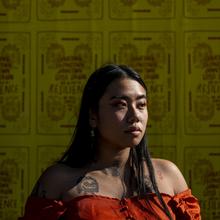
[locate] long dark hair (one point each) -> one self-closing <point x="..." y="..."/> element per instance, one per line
<point x="82" y="150"/>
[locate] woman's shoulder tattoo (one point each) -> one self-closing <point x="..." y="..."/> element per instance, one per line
<point x="87" y="184"/>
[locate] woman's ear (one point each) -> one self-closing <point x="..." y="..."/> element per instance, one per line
<point x="92" y="119"/>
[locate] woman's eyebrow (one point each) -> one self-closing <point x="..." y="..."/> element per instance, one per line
<point x="127" y="97"/>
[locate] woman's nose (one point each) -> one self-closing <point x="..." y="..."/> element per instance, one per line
<point x="132" y="115"/>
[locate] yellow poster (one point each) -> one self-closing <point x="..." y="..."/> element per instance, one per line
<point x="141" y="9"/>
<point x="15" y="10"/>
<point x="69" y="9"/>
<point x="202" y="8"/>
<point x="203" y="172"/>
<point x="165" y="152"/>
<point x="202" y="82"/>
<point x="13" y="181"/>
<point x="65" y="61"/>
<point x="152" y="55"/>
<point x="14" y="83"/>
<point x="47" y="156"/>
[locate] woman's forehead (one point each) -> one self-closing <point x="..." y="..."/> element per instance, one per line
<point x="125" y="87"/>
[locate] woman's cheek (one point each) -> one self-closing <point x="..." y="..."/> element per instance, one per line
<point x="120" y="116"/>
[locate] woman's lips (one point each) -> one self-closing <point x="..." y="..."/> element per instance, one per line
<point x="133" y="130"/>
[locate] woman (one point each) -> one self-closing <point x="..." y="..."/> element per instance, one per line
<point x="107" y="172"/>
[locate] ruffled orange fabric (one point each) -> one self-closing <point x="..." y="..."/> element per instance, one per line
<point x="183" y="206"/>
<point x="43" y="209"/>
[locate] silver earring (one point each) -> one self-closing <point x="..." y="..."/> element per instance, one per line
<point x="92" y="140"/>
<point x="92" y="133"/>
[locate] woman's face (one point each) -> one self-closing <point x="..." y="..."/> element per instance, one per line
<point x="122" y="117"/>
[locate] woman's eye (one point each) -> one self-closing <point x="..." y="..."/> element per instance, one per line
<point x="119" y="104"/>
<point x="142" y="105"/>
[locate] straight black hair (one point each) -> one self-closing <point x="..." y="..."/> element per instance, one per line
<point x="82" y="150"/>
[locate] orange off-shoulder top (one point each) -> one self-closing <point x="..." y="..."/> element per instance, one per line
<point x="183" y="206"/>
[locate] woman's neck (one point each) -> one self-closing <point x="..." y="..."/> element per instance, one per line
<point x="110" y="157"/>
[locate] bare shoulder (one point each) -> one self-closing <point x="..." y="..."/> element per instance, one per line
<point x="55" y="180"/>
<point x="172" y="174"/>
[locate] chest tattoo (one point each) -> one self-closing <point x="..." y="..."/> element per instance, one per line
<point x="159" y="173"/>
<point x="88" y="184"/>
<point x="148" y="184"/>
<point x="114" y="171"/>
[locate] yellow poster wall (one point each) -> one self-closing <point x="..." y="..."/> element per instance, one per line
<point x="48" y="48"/>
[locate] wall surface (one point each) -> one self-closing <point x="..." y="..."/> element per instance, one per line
<point x="48" y="48"/>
